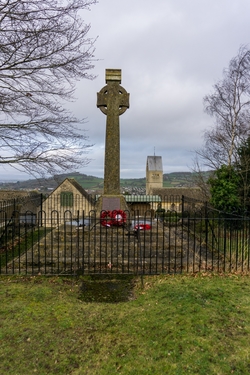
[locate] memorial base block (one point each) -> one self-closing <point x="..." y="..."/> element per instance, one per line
<point x="111" y="203"/>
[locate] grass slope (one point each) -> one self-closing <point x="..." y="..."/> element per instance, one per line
<point x="174" y="325"/>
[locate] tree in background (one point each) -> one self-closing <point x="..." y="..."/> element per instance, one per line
<point x="229" y="104"/>
<point x="226" y="144"/>
<point x="225" y="189"/>
<point x="44" y="50"/>
<point x="243" y="170"/>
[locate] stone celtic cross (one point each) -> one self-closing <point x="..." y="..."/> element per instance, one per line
<point x="113" y="101"/>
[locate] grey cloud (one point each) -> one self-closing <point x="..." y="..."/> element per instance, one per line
<point x="171" y="53"/>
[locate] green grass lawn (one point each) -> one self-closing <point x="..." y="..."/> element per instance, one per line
<point x="196" y="324"/>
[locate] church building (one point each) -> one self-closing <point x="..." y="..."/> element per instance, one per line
<point x="154" y="174"/>
<point x="170" y="198"/>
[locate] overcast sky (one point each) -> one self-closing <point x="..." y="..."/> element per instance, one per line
<point x="171" y="52"/>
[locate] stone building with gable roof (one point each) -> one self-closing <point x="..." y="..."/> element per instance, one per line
<point x="65" y="202"/>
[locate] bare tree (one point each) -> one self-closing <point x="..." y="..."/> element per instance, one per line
<point x="229" y="104"/>
<point x="44" y="50"/>
<point x="200" y="179"/>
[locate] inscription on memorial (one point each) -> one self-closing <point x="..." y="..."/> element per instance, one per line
<point x="110" y="204"/>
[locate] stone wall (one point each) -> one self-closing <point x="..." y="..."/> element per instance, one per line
<point x="12" y="194"/>
<point x="172" y="197"/>
<point x="19" y="201"/>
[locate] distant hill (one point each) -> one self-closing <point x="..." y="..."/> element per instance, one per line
<point x="47" y="184"/>
<point x="92" y="183"/>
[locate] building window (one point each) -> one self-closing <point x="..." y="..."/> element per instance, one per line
<point x="66" y="199"/>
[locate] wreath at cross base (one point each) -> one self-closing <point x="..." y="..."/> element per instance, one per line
<point x="113" y="218"/>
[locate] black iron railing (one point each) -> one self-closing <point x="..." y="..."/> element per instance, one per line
<point x="89" y="242"/>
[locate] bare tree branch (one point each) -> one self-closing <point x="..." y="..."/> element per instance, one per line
<point x="229" y="104"/>
<point x="44" y="50"/>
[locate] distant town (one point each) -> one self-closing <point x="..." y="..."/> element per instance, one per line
<point x="94" y="184"/>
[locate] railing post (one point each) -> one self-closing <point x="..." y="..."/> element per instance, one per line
<point x="182" y="206"/>
<point x="41" y="202"/>
<point x="206" y="231"/>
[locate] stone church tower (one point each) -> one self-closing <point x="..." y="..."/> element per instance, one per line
<point x="154" y="173"/>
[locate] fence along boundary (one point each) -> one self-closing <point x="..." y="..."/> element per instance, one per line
<point x="166" y="242"/>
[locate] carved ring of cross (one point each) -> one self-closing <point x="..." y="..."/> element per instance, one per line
<point x="123" y="99"/>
